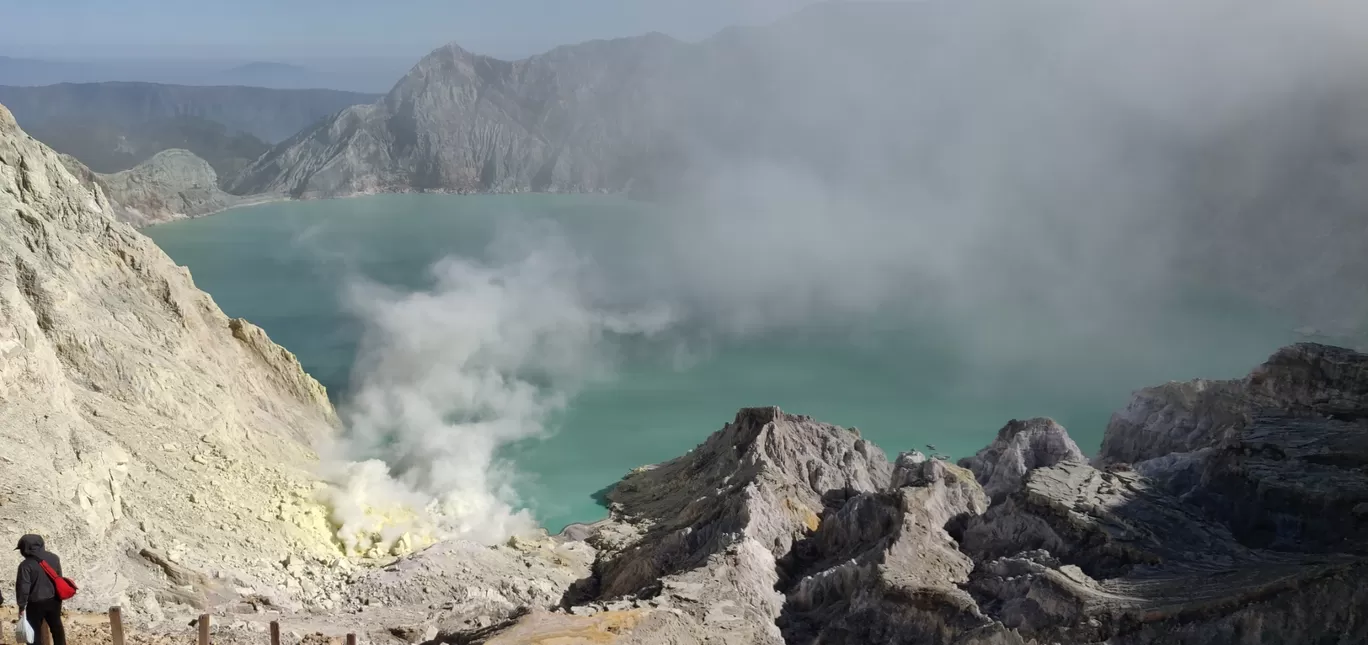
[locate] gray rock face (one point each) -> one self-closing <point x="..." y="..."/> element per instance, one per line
<point x="1279" y="456"/>
<point x="720" y="546"/>
<point x="1172" y="418"/>
<point x="853" y="579"/>
<point x="1080" y="555"/>
<point x="1312" y="378"/>
<point x="704" y="531"/>
<point x="1020" y="447"/>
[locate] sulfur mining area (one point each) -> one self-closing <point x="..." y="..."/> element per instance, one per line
<point x="170" y="453"/>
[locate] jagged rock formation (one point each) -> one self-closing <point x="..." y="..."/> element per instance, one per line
<point x="702" y="533"/>
<point x="1020" y="447"/>
<point x="1282" y="453"/>
<point x="162" y="448"/>
<point x="782" y="529"/>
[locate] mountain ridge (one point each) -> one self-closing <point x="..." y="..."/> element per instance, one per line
<point x="269" y="114"/>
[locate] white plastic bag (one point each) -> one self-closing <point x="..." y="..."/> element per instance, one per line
<point x="23" y="631"/>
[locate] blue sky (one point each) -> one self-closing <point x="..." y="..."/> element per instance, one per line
<point x="294" y="29"/>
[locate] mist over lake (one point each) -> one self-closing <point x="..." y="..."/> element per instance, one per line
<point x="619" y="358"/>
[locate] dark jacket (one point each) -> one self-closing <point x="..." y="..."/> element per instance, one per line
<point x="33" y="584"/>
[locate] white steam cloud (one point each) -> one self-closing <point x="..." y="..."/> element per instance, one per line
<point x="446" y="377"/>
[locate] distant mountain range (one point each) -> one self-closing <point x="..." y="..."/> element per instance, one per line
<point x="107" y="146"/>
<point x="268" y="114"/>
<point x="359" y="75"/>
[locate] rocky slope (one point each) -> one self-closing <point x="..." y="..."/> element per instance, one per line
<point x="162" y="448"/>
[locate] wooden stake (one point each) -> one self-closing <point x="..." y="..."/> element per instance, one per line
<point x="116" y="625"/>
<point x="275" y="633"/>
<point x="204" y="629"/>
<point x="351" y="639"/>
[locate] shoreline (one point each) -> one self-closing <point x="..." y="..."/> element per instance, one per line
<point x="272" y="198"/>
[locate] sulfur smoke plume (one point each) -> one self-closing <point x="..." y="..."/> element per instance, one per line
<point x="1036" y="174"/>
<point x="448" y="376"/>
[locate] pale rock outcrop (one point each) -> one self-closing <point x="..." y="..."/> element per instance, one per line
<point x="474" y="586"/>
<point x="763" y="478"/>
<point x="694" y="541"/>
<point x="1020" y="447"/>
<point x="162" y="448"/>
<point x="853" y="578"/>
<point x="174" y="184"/>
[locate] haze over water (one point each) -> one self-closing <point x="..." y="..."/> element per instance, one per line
<point x="903" y="375"/>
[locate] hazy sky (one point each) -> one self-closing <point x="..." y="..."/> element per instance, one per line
<point x="295" y="29"/>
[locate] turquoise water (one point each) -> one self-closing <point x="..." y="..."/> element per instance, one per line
<point x="903" y="381"/>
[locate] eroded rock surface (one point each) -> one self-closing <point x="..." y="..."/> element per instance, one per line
<point x="1020" y="447"/>
<point x="1285" y="463"/>
<point x="1236" y="524"/>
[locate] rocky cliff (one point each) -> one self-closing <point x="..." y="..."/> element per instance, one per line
<point x="163" y="448"/>
<point x="1240" y="520"/>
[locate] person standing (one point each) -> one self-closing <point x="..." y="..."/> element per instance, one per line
<point x="35" y="591"/>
